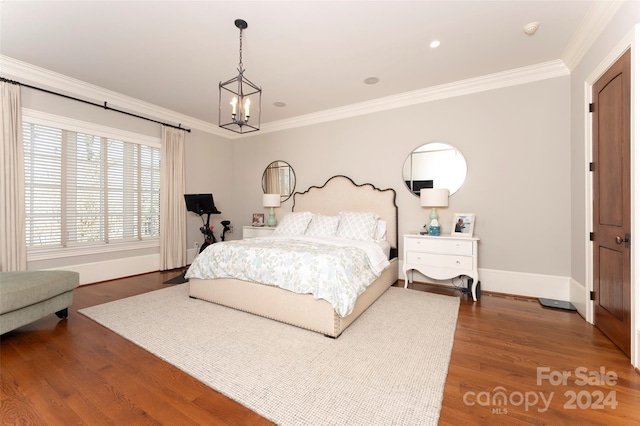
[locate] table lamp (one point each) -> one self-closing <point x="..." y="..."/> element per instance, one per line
<point x="434" y="197"/>
<point x="271" y="200"/>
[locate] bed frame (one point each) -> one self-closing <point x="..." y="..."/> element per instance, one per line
<point x="338" y="194"/>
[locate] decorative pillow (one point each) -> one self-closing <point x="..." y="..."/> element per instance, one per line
<point x="357" y="225"/>
<point x="323" y="226"/>
<point x="293" y="224"/>
<point x="381" y="230"/>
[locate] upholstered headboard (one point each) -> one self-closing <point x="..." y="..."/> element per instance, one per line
<point x="340" y="193"/>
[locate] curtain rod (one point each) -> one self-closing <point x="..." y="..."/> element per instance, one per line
<point x="179" y="126"/>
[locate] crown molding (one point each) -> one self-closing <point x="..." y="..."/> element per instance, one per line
<point x="54" y="81"/>
<point x="589" y="30"/>
<point x="33" y="75"/>
<point x="499" y="80"/>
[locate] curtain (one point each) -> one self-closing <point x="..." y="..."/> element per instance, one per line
<point x="273" y="178"/>
<point x="13" y="245"/>
<point x="173" y="213"/>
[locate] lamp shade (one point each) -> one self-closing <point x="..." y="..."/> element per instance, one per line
<point x="271" y="200"/>
<point x="434" y="197"/>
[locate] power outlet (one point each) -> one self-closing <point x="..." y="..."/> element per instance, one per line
<point x="196" y="246"/>
<point x="230" y="229"/>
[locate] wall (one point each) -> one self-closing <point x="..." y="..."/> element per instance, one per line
<point x="525" y="147"/>
<point x="515" y="141"/>
<point x="618" y="28"/>
<point x="615" y="38"/>
<point x="209" y="165"/>
<point x="208" y="159"/>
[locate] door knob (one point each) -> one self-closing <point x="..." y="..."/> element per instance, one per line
<point x="620" y="240"/>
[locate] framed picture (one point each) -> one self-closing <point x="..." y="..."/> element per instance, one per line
<point x="258" y="219"/>
<point x="463" y="224"/>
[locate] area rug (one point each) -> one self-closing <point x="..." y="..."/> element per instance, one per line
<point x="388" y="367"/>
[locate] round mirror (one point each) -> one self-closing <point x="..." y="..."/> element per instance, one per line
<point x="434" y="165"/>
<point x="279" y="178"/>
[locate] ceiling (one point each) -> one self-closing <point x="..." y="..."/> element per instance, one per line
<point x="311" y="55"/>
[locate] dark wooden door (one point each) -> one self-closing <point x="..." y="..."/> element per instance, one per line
<point x="612" y="203"/>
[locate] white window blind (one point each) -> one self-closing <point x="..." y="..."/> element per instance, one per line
<point x="84" y="189"/>
<point x="43" y="179"/>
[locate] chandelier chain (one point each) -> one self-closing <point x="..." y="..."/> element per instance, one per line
<point x="240" y="63"/>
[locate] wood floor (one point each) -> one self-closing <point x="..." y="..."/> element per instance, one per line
<point x="513" y="362"/>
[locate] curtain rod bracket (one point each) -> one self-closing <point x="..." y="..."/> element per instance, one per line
<point x="6" y="80"/>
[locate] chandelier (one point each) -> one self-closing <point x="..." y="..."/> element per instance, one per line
<point x="239" y="99"/>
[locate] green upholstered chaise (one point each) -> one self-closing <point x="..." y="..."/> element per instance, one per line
<point x="27" y="296"/>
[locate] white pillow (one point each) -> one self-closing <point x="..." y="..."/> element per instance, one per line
<point x="323" y="226"/>
<point x="357" y="225"/>
<point x="294" y="224"/>
<point x="381" y="230"/>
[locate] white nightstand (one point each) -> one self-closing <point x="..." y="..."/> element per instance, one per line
<point x="256" y="231"/>
<point x="441" y="258"/>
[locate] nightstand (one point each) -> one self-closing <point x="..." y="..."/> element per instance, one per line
<point x="256" y="231"/>
<point x="441" y="258"/>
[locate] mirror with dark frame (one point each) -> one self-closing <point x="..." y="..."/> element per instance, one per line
<point x="279" y="178"/>
<point x="434" y="165"/>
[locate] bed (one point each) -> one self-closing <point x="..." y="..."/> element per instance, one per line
<point x="338" y="194"/>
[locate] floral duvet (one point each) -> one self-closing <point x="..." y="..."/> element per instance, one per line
<point x="335" y="270"/>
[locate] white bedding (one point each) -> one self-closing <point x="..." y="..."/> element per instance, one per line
<point x="336" y="270"/>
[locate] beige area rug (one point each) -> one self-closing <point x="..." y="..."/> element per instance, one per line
<point x="388" y="368"/>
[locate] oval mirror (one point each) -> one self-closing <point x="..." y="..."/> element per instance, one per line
<point x="434" y="165"/>
<point x="279" y="178"/>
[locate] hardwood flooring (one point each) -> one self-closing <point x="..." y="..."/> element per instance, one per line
<point x="509" y="358"/>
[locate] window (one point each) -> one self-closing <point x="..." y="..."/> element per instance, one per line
<point x="85" y="188"/>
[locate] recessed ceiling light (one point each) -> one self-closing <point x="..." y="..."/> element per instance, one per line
<point x="371" y="80"/>
<point x="434" y="44"/>
<point x="279" y="104"/>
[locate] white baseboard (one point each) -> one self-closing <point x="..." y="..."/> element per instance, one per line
<point x="117" y="268"/>
<point x="578" y="297"/>
<point x="516" y="283"/>
<point x="525" y="284"/>
<point x="635" y="349"/>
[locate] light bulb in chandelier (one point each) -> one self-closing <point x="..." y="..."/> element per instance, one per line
<point x="234" y="103"/>
<point x="242" y="118"/>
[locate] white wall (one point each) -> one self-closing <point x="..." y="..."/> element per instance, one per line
<point x="515" y="141"/>
<point x="209" y="165"/>
<point x="615" y="38"/>
<point x="524" y="145"/>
